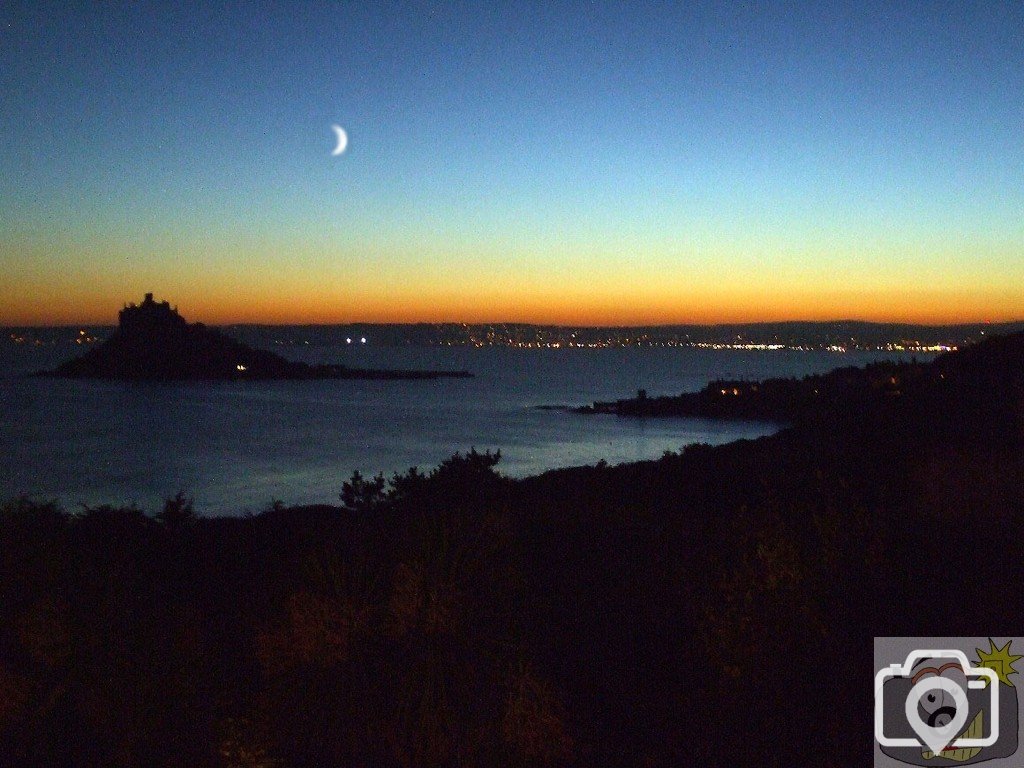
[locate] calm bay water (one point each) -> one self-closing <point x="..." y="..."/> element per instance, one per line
<point x="236" y="446"/>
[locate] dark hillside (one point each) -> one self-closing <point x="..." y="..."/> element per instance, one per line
<point x="712" y="607"/>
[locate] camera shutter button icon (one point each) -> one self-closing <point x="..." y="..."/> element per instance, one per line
<point x="943" y="700"/>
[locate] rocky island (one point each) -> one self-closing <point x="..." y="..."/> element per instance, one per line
<point x="155" y="343"/>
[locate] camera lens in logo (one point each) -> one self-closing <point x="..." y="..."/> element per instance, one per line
<point x="936" y="709"/>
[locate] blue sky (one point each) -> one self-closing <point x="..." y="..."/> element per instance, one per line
<point x="539" y="161"/>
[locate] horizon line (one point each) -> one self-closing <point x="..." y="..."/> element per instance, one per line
<point x="690" y="324"/>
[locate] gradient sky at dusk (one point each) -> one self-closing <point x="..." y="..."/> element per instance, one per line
<point x="549" y="162"/>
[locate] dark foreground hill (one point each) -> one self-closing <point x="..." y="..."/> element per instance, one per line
<point x="153" y="342"/>
<point x="714" y="607"/>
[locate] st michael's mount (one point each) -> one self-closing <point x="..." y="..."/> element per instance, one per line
<point x="154" y="343"/>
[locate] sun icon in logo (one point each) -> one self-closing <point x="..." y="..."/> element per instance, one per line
<point x="999" y="660"/>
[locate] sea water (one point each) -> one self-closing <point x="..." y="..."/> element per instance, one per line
<point x="235" y="447"/>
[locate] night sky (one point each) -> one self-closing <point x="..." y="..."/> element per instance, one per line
<point x="549" y="162"/>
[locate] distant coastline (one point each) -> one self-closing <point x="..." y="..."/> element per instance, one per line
<point x="834" y="336"/>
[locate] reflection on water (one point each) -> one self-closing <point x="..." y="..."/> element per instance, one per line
<point x="238" y="446"/>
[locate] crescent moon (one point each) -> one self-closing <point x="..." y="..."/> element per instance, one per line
<point x="342" y="140"/>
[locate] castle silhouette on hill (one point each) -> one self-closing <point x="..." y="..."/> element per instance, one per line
<point x="149" y="316"/>
<point x="153" y="342"/>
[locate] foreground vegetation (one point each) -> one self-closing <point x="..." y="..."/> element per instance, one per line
<point x="715" y="606"/>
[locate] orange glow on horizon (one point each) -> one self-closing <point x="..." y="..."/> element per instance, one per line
<point x="410" y="306"/>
